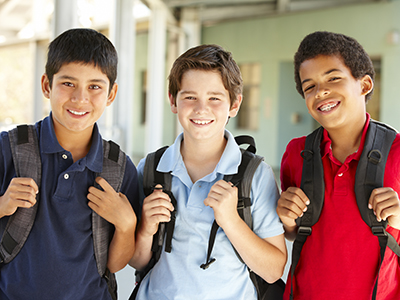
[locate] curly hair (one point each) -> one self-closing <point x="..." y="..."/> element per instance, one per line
<point x="207" y="58"/>
<point x="328" y="43"/>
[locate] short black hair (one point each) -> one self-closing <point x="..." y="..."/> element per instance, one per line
<point x="83" y="45"/>
<point x="344" y="47"/>
<point x="208" y="58"/>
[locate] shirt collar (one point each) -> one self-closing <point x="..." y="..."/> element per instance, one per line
<point x="228" y="164"/>
<point x="49" y="145"/>
<point x="326" y="144"/>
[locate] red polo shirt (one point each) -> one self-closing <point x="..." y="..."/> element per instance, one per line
<point x="340" y="258"/>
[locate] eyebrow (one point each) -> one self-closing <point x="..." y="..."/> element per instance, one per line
<point x="326" y="73"/>
<point x="192" y="92"/>
<point x="67" y="77"/>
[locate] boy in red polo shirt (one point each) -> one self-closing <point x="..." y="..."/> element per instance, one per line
<point x="340" y="259"/>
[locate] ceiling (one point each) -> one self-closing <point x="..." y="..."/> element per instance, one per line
<point x="24" y="19"/>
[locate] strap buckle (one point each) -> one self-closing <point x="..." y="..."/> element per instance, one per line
<point x="378" y="231"/>
<point x="243" y="203"/>
<point x="304" y="230"/>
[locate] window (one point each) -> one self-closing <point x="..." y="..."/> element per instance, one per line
<point x="248" y="116"/>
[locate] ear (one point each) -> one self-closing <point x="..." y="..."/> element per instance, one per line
<point x="367" y="84"/>
<point x="172" y="103"/>
<point x="235" y="106"/>
<point x="112" y="94"/>
<point x="45" y="84"/>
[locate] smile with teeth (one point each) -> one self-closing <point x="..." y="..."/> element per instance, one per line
<point x="328" y="107"/>
<point x="77" y="113"/>
<point x="201" y="122"/>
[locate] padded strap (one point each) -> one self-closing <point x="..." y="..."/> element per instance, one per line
<point x="312" y="183"/>
<point x="114" y="163"/>
<point x="26" y="156"/>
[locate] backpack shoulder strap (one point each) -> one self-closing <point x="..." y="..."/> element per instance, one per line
<point x="26" y="156"/>
<point x="114" y="162"/>
<point x="243" y="180"/>
<point x="313" y="185"/>
<point x="370" y="175"/>
<point x="151" y="178"/>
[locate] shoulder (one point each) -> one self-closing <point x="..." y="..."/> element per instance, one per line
<point x="294" y="148"/>
<point x="392" y="168"/>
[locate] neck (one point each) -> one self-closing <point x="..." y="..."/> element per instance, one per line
<point x="346" y="141"/>
<point x="202" y="157"/>
<point x="78" y="143"/>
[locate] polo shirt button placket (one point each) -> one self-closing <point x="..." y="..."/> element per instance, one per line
<point x="66" y="176"/>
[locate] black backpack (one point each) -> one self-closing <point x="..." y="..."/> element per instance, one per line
<point x="369" y="175"/>
<point x="26" y="156"/>
<point x="243" y="179"/>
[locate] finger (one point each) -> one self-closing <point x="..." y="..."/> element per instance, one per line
<point x="299" y="193"/>
<point x="104" y="184"/>
<point x="380" y="194"/>
<point x="290" y="209"/>
<point x="294" y="200"/>
<point x="25" y="182"/>
<point x="384" y="208"/>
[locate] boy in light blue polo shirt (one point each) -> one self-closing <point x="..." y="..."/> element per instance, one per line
<point x="205" y="90"/>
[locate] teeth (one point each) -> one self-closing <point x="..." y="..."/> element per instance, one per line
<point x="328" y="107"/>
<point x="200" y="122"/>
<point x="77" y="112"/>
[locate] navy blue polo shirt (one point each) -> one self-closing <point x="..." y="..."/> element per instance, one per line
<point x="57" y="260"/>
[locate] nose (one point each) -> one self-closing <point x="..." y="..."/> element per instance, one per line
<point x="322" y="91"/>
<point x="201" y="106"/>
<point x="80" y="95"/>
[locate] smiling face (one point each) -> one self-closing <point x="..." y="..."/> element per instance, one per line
<point x="203" y="105"/>
<point x="334" y="98"/>
<point x="78" y="96"/>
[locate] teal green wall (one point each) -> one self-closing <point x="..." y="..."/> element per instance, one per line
<point x="273" y="41"/>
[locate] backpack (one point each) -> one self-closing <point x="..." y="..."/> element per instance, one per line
<point x="243" y="179"/>
<point x="369" y="175"/>
<point x="26" y="156"/>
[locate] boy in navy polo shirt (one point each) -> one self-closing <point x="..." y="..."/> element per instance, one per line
<point x="340" y="259"/>
<point x="205" y="90"/>
<point x="57" y="260"/>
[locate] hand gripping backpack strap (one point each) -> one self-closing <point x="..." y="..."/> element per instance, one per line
<point x="312" y="183"/>
<point x="370" y="175"/>
<point x="114" y="162"/>
<point x="244" y="201"/>
<point x="151" y="178"/>
<point x="242" y="180"/>
<point x="26" y="156"/>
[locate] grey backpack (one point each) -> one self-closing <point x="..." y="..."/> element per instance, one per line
<point x="27" y="163"/>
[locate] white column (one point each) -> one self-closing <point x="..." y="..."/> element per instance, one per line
<point x="65" y="16"/>
<point x="123" y="35"/>
<point x="156" y="77"/>
<point x="40" y="50"/>
<point x="191" y="25"/>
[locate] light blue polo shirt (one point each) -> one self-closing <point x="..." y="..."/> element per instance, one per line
<point x="178" y="275"/>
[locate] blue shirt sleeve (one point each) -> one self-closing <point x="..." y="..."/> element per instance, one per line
<point x="264" y="195"/>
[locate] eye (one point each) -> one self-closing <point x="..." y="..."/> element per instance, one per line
<point x="190" y="98"/>
<point x="68" y="84"/>
<point x="334" y="78"/>
<point x="94" y="87"/>
<point x="214" y="98"/>
<point x="308" y="88"/>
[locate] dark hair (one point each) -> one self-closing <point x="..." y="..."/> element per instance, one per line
<point x="328" y="43"/>
<point x="82" y="45"/>
<point x="208" y="58"/>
